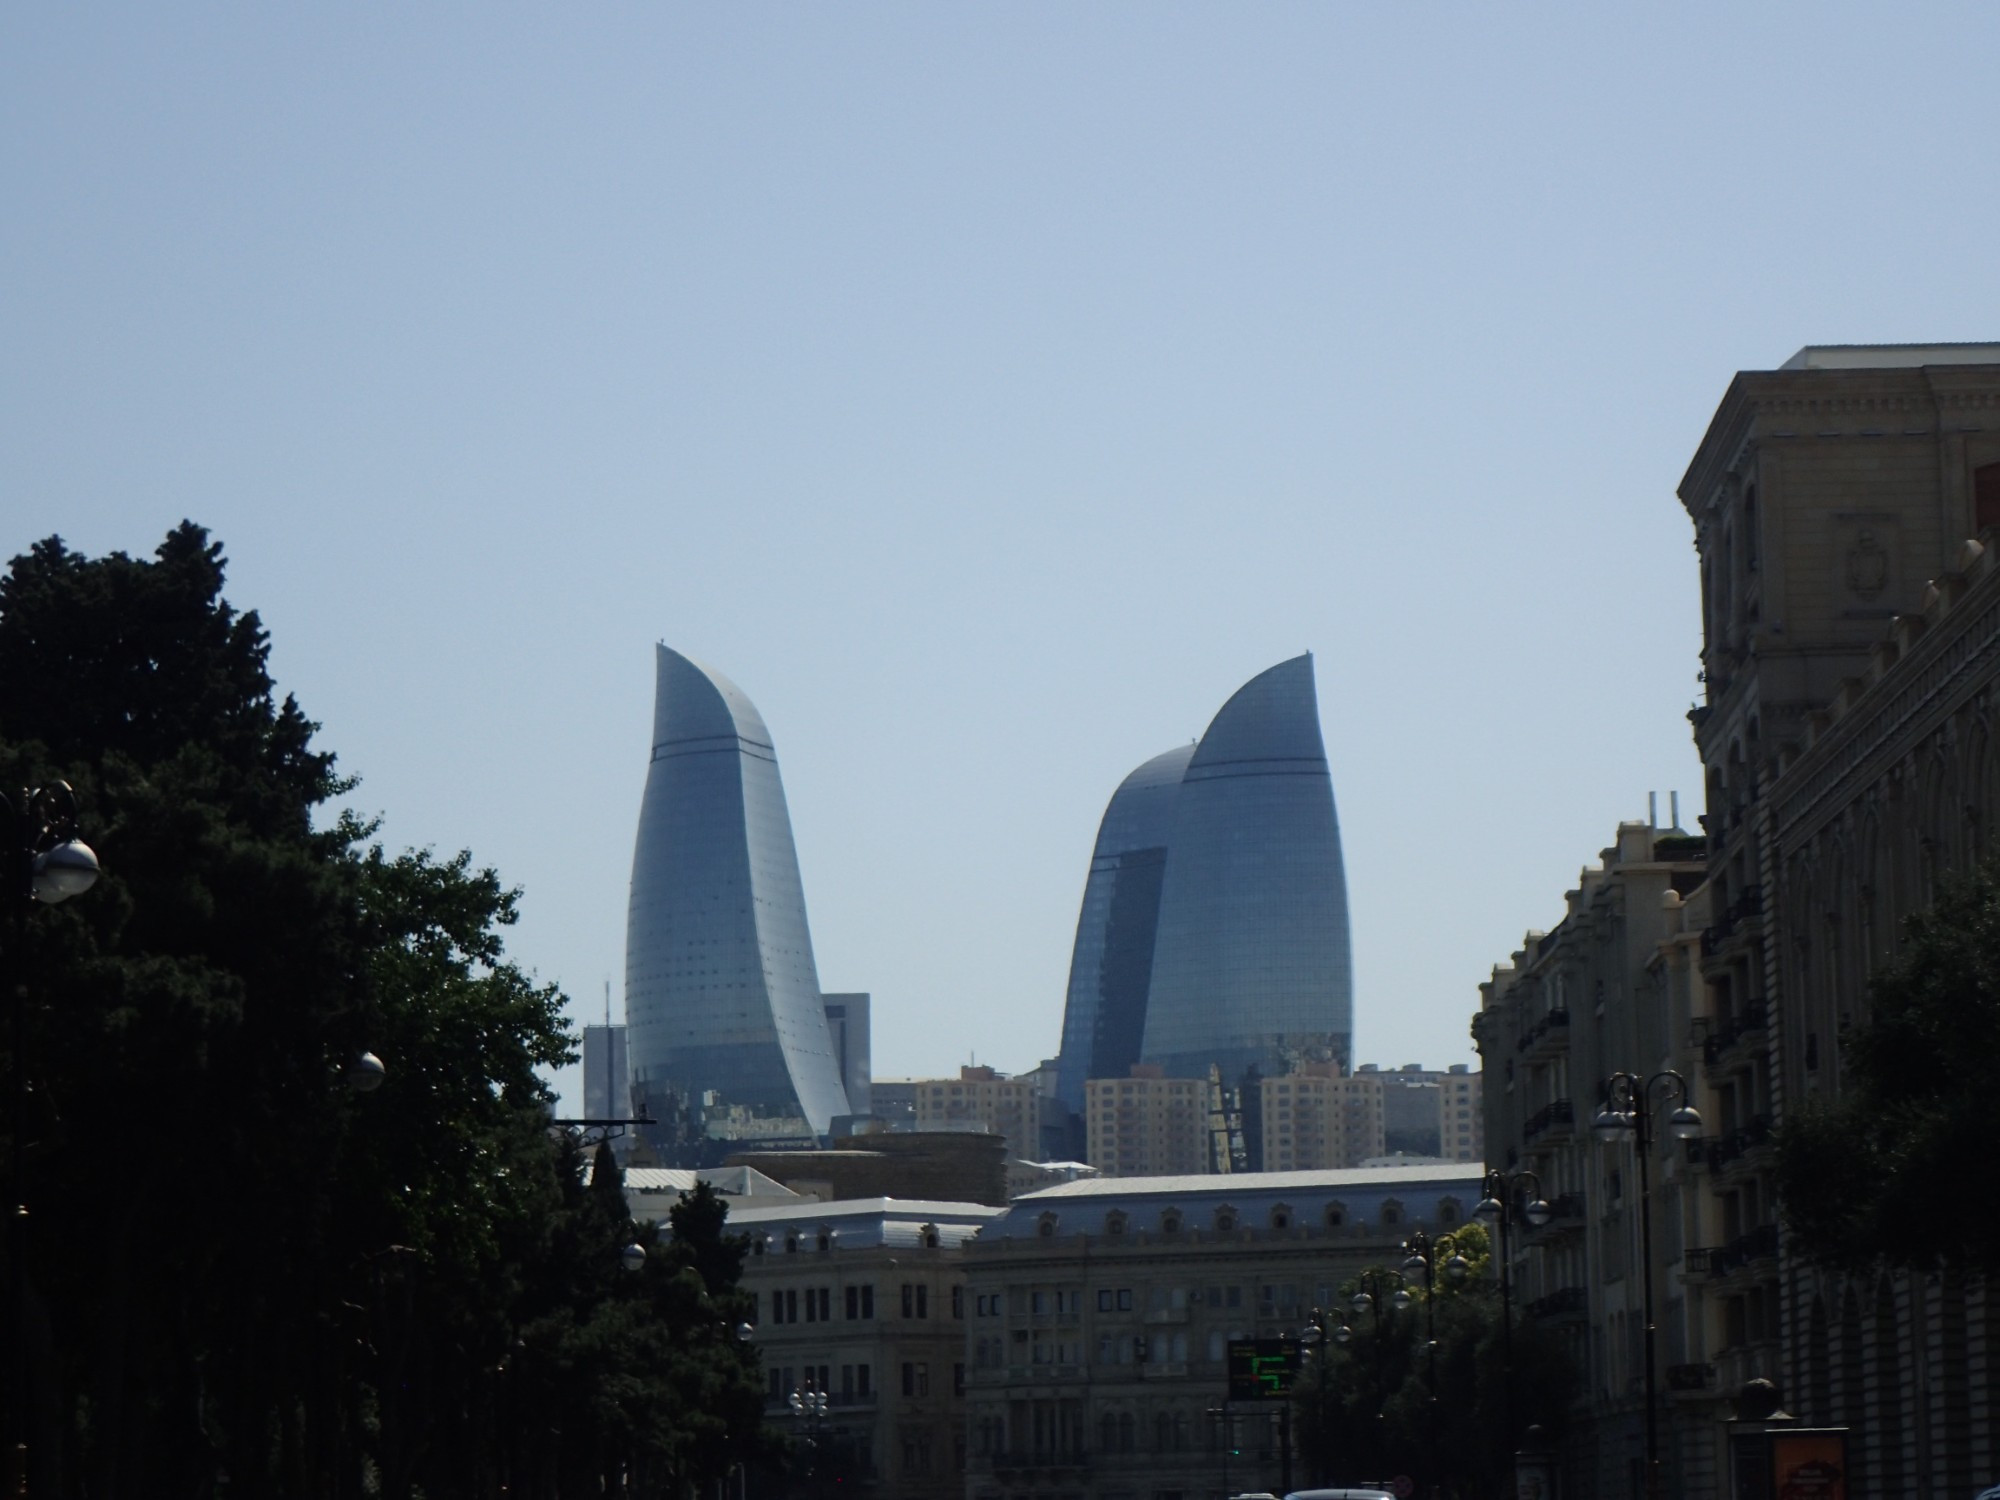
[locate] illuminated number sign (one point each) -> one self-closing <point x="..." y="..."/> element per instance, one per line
<point x="1262" y="1369"/>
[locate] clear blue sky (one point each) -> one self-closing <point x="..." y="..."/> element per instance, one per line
<point x="988" y="390"/>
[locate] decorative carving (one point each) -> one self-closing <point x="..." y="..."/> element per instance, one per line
<point x="1867" y="566"/>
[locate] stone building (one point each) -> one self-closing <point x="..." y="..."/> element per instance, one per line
<point x="1612" y="987"/>
<point x="1099" y="1313"/>
<point x="963" y="1165"/>
<point x="1315" y="1118"/>
<point x="864" y="1301"/>
<point x="982" y="1099"/>
<point x="1428" y="1113"/>
<point x="1148" y="1125"/>
<point x="1844" y="509"/>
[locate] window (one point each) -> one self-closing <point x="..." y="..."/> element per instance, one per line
<point x="958" y="1301"/>
<point x="1392" y="1212"/>
<point x="916" y="1300"/>
<point x="1335" y="1215"/>
<point x="916" y="1378"/>
<point x="1225" y="1219"/>
<point x="1170" y="1221"/>
<point x="1986" y="497"/>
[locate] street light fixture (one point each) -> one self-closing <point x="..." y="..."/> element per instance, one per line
<point x="1503" y="1192"/>
<point x="1627" y="1118"/>
<point x="365" y="1073"/>
<point x="633" y="1257"/>
<point x="46" y="862"/>
<point x="1423" y="1256"/>
<point x="812" y="1406"/>
<point x="1319" y="1331"/>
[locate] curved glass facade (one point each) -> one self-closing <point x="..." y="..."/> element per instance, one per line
<point x="721" y="995"/>
<point x="1214" y="928"/>
<point x="1111" y="967"/>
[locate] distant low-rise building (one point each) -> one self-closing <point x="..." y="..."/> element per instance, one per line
<point x="1099" y="1315"/>
<point x="864" y="1300"/>
<point x="1147" y="1125"/>
<point x="1316" y="1118"/>
<point x="982" y="1099"/>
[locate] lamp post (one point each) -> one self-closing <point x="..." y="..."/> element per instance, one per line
<point x="1423" y="1256"/>
<point x="1627" y="1116"/>
<point x="46" y="862"/>
<point x="1369" y="1300"/>
<point x="811" y="1405"/>
<point x="1503" y="1190"/>
<point x="1321" y="1330"/>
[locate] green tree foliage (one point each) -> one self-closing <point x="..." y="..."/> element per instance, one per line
<point x="1908" y="1128"/>
<point x="1381" y="1405"/>
<point x="240" y="1273"/>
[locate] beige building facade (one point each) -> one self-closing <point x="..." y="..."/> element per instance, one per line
<point x="1148" y="1125"/>
<point x="1613" y="987"/>
<point x="1845" y="508"/>
<point x="1316" y="1118"/>
<point x="864" y="1301"/>
<point x="1099" y="1315"/>
<point x="982" y="1099"/>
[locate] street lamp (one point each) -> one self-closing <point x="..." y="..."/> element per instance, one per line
<point x="46" y="862"/>
<point x="811" y="1405"/>
<point x="1320" y="1330"/>
<point x="1423" y="1256"/>
<point x="1627" y="1116"/>
<point x="1503" y="1191"/>
<point x="1369" y="1300"/>
<point x="633" y="1257"/>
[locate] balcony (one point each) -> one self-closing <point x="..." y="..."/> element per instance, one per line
<point x="1049" y="1462"/>
<point x="1732" y="917"/>
<point x="1750" y="1021"/>
<point x="1719" y="1152"/>
<point x="1554" y="1027"/>
<point x="1690" y="1379"/>
<point x="1567" y="1302"/>
<point x="1725" y="1260"/>
<point x="1556" y="1118"/>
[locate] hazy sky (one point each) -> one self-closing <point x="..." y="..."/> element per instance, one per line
<point x="988" y="391"/>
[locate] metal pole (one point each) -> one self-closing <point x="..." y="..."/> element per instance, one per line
<point x="19" y="885"/>
<point x="1643" y="1119"/>
<point x="1507" y="1314"/>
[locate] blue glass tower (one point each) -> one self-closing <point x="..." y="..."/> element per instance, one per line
<point x="1214" y="928"/>
<point x="721" y="995"/>
<point x="1111" y="967"/>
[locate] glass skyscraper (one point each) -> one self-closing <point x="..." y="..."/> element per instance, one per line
<point x="1214" y="925"/>
<point x="721" y="995"/>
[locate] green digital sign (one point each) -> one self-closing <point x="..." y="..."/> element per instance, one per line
<point x="1262" y="1369"/>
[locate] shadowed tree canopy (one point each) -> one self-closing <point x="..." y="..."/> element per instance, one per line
<point x="234" y="1264"/>
<point x="1910" y="1128"/>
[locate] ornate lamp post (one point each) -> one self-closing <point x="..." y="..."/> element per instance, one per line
<point x="1320" y="1330"/>
<point x="1424" y="1253"/>
<point x="46" y="862"/>
<point x="1369" y="1300"/>
<point x="1627" y="1116"/>
<point x="812" y="1406"/>
<point x="1500" y="1207"/>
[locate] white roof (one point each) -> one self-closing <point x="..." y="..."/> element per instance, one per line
<point x="1890" y="356"/>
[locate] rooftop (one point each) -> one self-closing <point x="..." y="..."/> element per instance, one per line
<point x="1890" y="356"/>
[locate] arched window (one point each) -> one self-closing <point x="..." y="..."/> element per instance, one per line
<point x="1449" y="1212"/>
<point x="1334" y="1215"/>
<point x="1392" y="1212"/>
<point x="1114" y="1222"/>
<point x="1225" y="1219"/>
<point x="928" y="1237"/>
<point x="1045" y="1226"/>
<point x="1281" y="1216"/>
<point x="1170" y="1221"/>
